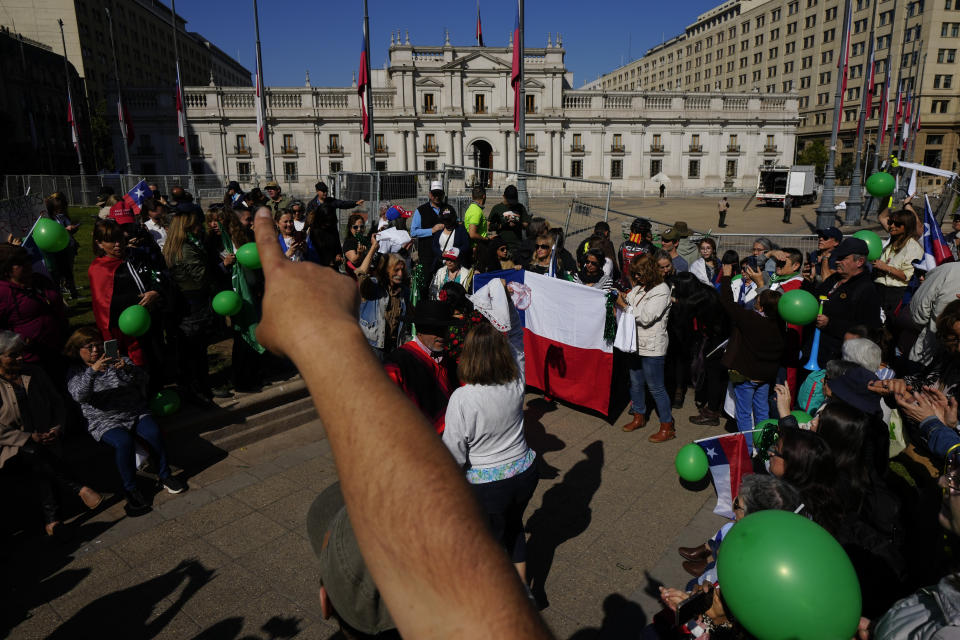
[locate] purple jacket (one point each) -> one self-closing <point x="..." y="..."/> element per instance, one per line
<point x="36" y="313"/>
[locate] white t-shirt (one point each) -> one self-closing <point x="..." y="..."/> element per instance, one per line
<point x="157" y="232"/>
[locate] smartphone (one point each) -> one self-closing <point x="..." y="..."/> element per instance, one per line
<point x="111" y="349"/>
<point x="694" y="606"/>
<point x="752" y="263"/>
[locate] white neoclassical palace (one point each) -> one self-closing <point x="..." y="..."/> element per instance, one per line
<point x="454" y="105"/>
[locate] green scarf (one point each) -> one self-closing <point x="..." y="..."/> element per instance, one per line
<point x="777" y="279"/>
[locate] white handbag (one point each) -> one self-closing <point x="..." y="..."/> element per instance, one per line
<point x="626" y="339"/>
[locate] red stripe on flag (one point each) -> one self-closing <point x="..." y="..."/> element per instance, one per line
<point x="735" y="447"/>
<point x="515" y="79"/>
<point x="572" y="374"/>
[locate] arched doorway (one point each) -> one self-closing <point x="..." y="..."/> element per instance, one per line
<point x="483" y="158"/>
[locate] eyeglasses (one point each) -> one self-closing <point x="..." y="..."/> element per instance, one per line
<point x="544" y="246"/>
<point x="93" y="346"/>
<point x="357" y="226"/>
<point x="757" y="249"/>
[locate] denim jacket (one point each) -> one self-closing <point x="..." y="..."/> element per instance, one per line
<point x="372" y="316"/>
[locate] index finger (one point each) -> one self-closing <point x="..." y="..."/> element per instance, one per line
<point x="265" y="234"/>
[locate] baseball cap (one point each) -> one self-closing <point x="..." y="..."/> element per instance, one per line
<point x="122" y="214"/>
<point x="395" y="212"/>
<point x="851" y="246"/>
<point x="343" y="572"/>
<point x="671" y="235"/>
<point x="436" y="185"/>
<point x="453" y="253"/>
<point x="830" y="233"/>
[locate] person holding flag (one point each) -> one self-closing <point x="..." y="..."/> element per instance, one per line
<point x="894" y="268"/>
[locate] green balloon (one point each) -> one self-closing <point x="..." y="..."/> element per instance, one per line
<point x="248" y="256"/>
<point x="783" y="576"/>
<point x="760" y="435"/>
<point x="798" y="307"/>
<point x="165" y="403"/>
<point x="801" y="416"/>
<point x="227" y="303"/>
<point x="50" y="236"/>
<point x="134" y="320"/>
<point x="874" y="243"/>
<point x="881" y="184"/>
<point x="691" y="463"/>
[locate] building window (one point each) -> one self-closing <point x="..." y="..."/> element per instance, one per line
<point x="577" y="144"/>
<point x="429" y="165"/>
<point x="333" y="143"/>
<point x="290" y="172"/>
<point x="942" y="82"/>
<point x="430" y="143"/>
<point x="657" y="143"/>
<point x="530" y="166"/>
<point x="617" y="142"/>
<point x="576" y="168"/>
<point x="731" y="169"/>
<point x="428" y="105"/>
<point x="243" y="171"/>
<point x="656" y="166"/>
<point x="530" y="142"/>
<point x="381" y="165"/>
<point x="939" y="106"/>
<point x="946" y="55"/>
<point x="336" y="167"/>
<point x="242" y="143"/>
<point x="530" y="101"/>
<point x="935" y="139"/>
<point x="950" y="30"/>
<point x="616" y="168"/>
<point x="378" y="143"/>
<point x="479" y="103"/>
<point x="693" y="169"/>
<point x="932" y="158"/>
<point x="288" y="146"/>
<point x="732" y="144"/>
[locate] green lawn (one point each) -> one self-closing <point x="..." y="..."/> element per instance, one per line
<point x="80" y="311"/>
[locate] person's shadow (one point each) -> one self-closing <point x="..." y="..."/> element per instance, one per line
<point x="124" y="613"/>
<point x="537" y="436"/>
<point x="564" y="514"/>
<point x="276" y="628"/>
<point x="622" y="619"/>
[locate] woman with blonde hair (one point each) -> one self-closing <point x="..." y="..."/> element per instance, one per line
<point x="649" y="300"/>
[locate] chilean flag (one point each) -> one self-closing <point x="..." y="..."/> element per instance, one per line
<point x="181" y="116"/>
<point x="126" y="125"/>
<point x="74" y="132"/>
<point x="843" y="62"/>
<point x="515" y="73"/>
<point x="897" y="112"/>
<point x="259" y="92"/>
<point x="135" y="197"/>
<point x="479" y="28"/>
<point x="885" y="107"/>
<point x="871" y="69"/>
<point x="363" y="81"/>
<point x="936" y="250"/>
<point x="729" y="463"/>
<point x="566" y="355"/>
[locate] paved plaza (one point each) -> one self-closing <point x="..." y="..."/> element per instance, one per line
<point x="230" y="558"/>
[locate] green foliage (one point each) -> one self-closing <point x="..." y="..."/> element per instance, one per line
<point x="102" y="141"/>
<point x="815" y="153"/>
<point x="844" y="169"/>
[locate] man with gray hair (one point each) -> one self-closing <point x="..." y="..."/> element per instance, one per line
<point x="865" y="353"/>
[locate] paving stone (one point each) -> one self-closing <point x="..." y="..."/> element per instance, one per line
<point x="291" y="511"/>
<point x="230" y="484"/>
<point x="232" y="587"/>
<point x="165" y="538"/>
<point x="38" y="623"/>
<point x="244" y="535"/>
<point x="216" y="514"/>
<point x="183" y="503"/>
<point x="316" y="474"/>
<point x="262" y="493"/>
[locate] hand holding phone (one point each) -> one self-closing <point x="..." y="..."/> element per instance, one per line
<point x="111" y="349"/>
<point x="694" y="606"/>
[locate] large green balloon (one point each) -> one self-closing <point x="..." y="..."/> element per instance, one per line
<point x="798" y="307"/>
<point x="227" y="303"/>
<point x="134" y="320"/>
<point x="874" y="243"/>
<point x="784" y="577"/>
<point x="691" y="463"/>
<point x="50" y="236"/>
<point x="165" y="403"/>
<point x="248" y="256"/>
<point x="881" y="184"/>
<point x="760" y="436"/>
<point x="801" y="416"/>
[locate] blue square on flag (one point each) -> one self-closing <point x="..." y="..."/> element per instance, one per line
<point x="135" y="197"/>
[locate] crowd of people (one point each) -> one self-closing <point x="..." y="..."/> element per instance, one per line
<point x="875" y="370"/>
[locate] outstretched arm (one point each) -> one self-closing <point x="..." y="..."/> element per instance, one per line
<point x="418" y="525"/>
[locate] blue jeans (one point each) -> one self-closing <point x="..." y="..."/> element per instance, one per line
<point x="751" y="397"/>
<point x="123" y="442"/>
<point x="647" y="371"/>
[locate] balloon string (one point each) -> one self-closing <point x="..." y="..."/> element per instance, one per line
<point x="726" y="435"/>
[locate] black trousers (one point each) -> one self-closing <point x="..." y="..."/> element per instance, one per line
<point x="49" y="473"/>
<point x="504" y="502"/>
<point x="247" y="365"/>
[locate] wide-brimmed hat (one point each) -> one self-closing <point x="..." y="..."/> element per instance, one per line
<point x="273" y="184"/>
<point x="680" y="227"/>
<point x="432" y="314"/>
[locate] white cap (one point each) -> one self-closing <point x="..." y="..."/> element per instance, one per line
<point x="452" y="253"/>
<point x="436" y="185"/>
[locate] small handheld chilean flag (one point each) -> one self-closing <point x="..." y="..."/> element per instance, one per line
<point x="363" y="80"/>
<point x="729" y="463"/>
<point x="515" y="73"/>
<point x="135" y="197"/>
<point x="936" y="250"/>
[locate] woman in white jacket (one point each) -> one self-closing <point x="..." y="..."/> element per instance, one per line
<point x="649" y="300"/>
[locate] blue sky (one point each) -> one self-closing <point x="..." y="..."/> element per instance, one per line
<point x="324" y="37"/>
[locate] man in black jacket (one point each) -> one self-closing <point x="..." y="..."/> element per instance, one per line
<point x="323" y="197"/>
<point x="851" y="298"/>
<point x="426" y="222"/>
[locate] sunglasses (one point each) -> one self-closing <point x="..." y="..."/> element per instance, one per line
<point x="544" y="246"/>
<point x="897" y="224"/>
<point x="593" y="262"/>
<point x="357" y="226"/>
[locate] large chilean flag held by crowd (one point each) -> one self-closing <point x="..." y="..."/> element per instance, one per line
<point x="566" y="355"/>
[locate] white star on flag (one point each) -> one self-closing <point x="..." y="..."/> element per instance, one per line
<point x="139" y="193"/>
<point x="712" y="453"/>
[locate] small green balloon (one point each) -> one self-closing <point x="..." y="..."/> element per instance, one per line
<point x="165" y="403"/>
<point x="248" y="256"/>
<point x="227" y="303"/>
<point x="881" y="184"/>
<point x="874" y="243"/>
<point x="801" y="416"/>
<point x="798" y="307"/>
<point x="783" y="576"/>
<point x="134" y="320"/>
<point x="50" y="236"/>
<point x="760" y="433"/>
<point x="691" y="463"/>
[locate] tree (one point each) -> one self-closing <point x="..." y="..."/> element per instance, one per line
<point x="102" y="140"/>
<point x="815" y="153"/>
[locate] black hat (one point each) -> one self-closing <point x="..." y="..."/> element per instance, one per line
<point x="640" y="224"/>
<point x="431" y="313"/>
<point x="851" y="246"/>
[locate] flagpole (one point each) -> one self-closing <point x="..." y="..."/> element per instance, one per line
<point x="885" y="106"/>
<point x="116" y="76"/>
<point x="369" y="92"/>
<point x="176" y="60"/>
<point x="903" y="45"/>
<point x="855" y="197"/>
<point x="522" y="194"/>
<point x="66" y="73"/>
<point x="898" y="150"/>
<point x="826" y="214"/>
<point x="916" y="122"/>
<point x="263" y="98"/>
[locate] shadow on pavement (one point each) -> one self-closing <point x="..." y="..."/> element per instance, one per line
<point x="125" y="613"/>
<point x="622" y="620"/>
<point x="537" y="437"/>
<point x="276" y="628"/>
<point x="564" y="514"/>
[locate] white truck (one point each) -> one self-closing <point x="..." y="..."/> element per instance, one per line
<point x="774" y="183"/>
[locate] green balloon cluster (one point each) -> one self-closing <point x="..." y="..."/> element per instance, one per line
<point x="762" y="434"/>
<point x="227" y="303"/>
<point x="784" y="577"/>
<point x="798" y="307"/>
<point x="881" y="184"/>
<point x="874" y="243"/>
<point x="165" y="403"/>
<point x="691" y="463"/>
<point x="801" y="416"/>
<point x="248" y="256"/>
<point x="50" y="236"/>
<point x="134" y="321"/>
